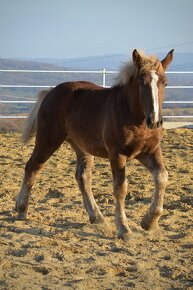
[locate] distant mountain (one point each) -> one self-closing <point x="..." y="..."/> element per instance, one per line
<point x="6" y="63"/>
<point x="110" y="62"/>
<point x="182" y="61"/>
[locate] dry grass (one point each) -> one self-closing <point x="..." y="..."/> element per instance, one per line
<point x="57" y="248"/>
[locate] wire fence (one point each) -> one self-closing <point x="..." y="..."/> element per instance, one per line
<point x="103" y="74"/>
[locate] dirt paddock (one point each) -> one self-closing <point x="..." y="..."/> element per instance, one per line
<point x="57" y="248"/>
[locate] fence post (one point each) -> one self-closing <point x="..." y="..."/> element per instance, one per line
<point x="104" y="77"/>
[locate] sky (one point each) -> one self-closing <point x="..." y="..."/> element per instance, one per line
<point x="80" y="28"/>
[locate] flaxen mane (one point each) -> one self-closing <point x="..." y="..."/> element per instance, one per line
<point x="148" y="63"/>
<point x="127" y="71"/>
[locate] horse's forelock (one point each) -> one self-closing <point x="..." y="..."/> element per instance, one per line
<point x="147" y="64"/>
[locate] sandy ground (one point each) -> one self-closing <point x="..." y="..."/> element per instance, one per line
<point x="57" y="248"/>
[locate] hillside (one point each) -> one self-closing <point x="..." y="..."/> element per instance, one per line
<point x="181" y="62"/>
<point x="40" y="79"/>
<point x="27" y="64"/>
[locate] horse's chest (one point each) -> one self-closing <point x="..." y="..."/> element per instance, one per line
<point x="131" y="150"/>
<point x="139" y="144"/>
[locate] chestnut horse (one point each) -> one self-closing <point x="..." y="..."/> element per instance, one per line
<point x="120" y="123"/>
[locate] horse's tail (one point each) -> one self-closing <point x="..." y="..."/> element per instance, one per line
<point x="31" y="123"/>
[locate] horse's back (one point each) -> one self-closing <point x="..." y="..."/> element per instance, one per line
<point x="69" y="93"/>
<point x="78" y="109"/>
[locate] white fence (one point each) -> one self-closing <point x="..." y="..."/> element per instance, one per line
<point x="103" y="74"/>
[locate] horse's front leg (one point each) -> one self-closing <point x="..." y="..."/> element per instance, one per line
<point x="118" y="163"/>
<point x="154" y="163"/>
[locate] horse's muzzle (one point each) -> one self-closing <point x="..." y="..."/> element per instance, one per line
<point x="151" y="124"/>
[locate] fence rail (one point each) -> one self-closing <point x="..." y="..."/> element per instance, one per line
<point x="103" y="74"/>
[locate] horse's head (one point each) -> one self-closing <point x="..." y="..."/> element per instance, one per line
<point x="151" y="80"/>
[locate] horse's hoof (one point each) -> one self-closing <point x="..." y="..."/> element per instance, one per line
<point x="144" y="224"/>
<point x="148" y="225"/>
<point x="97" y="219"/>
<point x="124" y="234"/>
<point x="22" y="216"/>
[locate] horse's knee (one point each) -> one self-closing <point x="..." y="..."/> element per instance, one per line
<point x="120" y="189"/>
<point x="78" y="176"/>
<point x="32" y="170"/>
<point x="164" y="176"/>
<point x="83" y="172"/>
<point x="161" y="178"/>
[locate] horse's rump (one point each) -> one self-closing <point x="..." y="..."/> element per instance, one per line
<point x="73" y="109"/>
<point x="78" y="109"/>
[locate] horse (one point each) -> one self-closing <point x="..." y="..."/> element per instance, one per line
<point x="119" y="123"/>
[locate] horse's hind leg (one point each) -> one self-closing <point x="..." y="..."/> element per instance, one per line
<point x="32" y="168"/>
<point x="84" y="178"/>
<point x="154" y="163"/>
<point x="41" y="153"/>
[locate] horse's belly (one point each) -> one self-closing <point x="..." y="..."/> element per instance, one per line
<point x="91" y="146"/>
<point x="97" y="151"/>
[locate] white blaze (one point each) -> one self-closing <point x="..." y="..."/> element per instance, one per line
<point x="154" y="88"/>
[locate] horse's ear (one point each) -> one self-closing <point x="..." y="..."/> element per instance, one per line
<point x="167" y="60"/>
<point x="137" y="58"/>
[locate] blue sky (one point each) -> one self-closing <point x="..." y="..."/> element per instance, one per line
<point x="78" y="28"/>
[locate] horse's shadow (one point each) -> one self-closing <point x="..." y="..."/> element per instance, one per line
<point x="52" y="193"/>
<point x="78" y="227"/>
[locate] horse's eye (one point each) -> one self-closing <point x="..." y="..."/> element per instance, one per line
<point x="164" y="82"/>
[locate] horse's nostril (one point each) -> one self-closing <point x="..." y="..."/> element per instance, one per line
<point x="148" y="122"/>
